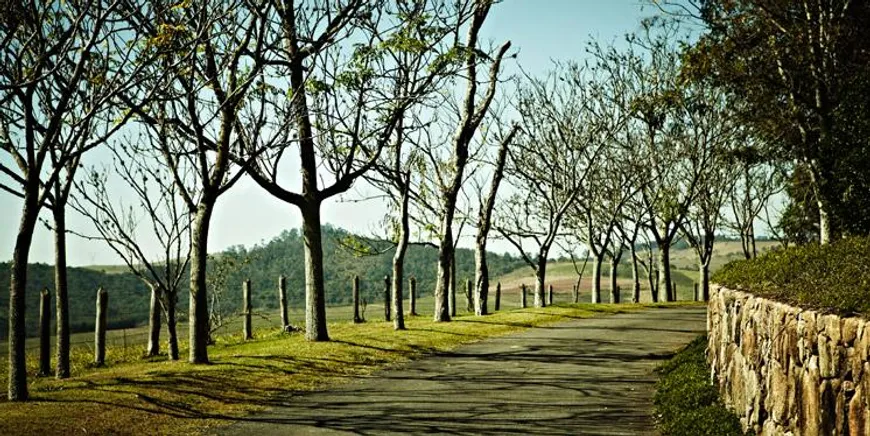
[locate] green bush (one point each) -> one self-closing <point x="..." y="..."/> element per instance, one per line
<point x="686" y="402"/>
<point x="830" y="278"/>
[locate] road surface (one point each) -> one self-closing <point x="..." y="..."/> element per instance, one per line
<point x="587" y="376"/>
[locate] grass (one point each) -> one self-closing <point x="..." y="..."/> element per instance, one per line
<point x="133" y="395"/>
<point x="686" y="402"/>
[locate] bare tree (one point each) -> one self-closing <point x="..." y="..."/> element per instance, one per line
<point x="484" y="223"/>
<point x="561" y="141"/>
<point x="217" y="46"/>
<point x="473" y="109"/>
<point x="344" y="108"/>
<point x="157" y="214"/>
<point x="62" y="65"/>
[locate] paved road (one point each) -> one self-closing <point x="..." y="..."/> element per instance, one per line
<point x="589" y="376"/>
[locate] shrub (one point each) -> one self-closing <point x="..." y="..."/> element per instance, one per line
<point x="687" y="403"/>
<point x="830" y="278"/>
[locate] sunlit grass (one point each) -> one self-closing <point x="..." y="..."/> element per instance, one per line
<point x="132" y="395"/>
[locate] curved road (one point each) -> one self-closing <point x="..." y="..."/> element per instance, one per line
<point x="588" y="376"/>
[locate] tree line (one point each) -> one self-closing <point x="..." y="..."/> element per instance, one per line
<point x="663" y="137"/>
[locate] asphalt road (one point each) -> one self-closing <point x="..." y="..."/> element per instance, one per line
<point x="587" y="376"/>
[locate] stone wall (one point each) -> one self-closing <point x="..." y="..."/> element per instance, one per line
<point x="785" y="370"/>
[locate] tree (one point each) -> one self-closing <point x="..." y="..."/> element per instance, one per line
<point x="658" y="132"/>
<point x="561" y="141"/>
<point x="344" y="107"/>
<point x="472" y="113"/>
<point x="62" y="65"/>
<point x="805" y="67"/>
<point x="759" y="179"/>
<point x="159" y="209"/>
<point x="210" y="54"/>
<point x="484" y="224"/>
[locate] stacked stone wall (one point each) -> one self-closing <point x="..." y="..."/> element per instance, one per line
<point x="786" y="370"/>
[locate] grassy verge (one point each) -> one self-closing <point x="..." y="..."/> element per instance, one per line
<point x="136" y="396"/>
<point x="686" y="403"/>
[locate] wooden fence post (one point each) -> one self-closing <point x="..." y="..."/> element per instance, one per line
<point x="696" y="291"/>
<point x="413" y="295"/>
<point x="246" y="310"/>
<point x="523" y="296"/>
<point x="386" y="298"/>
<point x="44" y="333"/>
<point x="100" y="330"/>
<point x="674" y="290"/>
<point x="497" y="296"/>
<point x="550" y="295"/>
<point x="356" y="317"/>
<point x="282" y="300"/>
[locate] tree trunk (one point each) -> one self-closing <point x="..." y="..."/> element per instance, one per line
<point x="665" y="270"/>
<point x="356" y="317"/>
<point x="469" y="299"/>
<point x="443" y="306"/>
<point x="614" y="270"/>
<point x="315" y="299"/>
<point x="44" y="334"/>
<point x="17" y="288"/>
<point x="596" y="278"/>
<point x="412" y="296"/>
<point x="481" y="269"/>
<point x="635" y="277"/>
<point x="704" y="280"/>
<point x="654" y="284"/>
<point x="172" y="323"/>
<point x="399" y="257"/>
<point x="540" y="278"/>
<point x="577" y="288"/>
<point x="282" y="303"/>
<point x="154" y="322"/>
<point x="247" y="332"/>
<point x="61" y="295"/>
<point x="100" y="328"/>
<point x="198" y="319"/>
<point x="453" y="284"/>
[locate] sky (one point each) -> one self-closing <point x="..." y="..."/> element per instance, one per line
<point x="540" y="31"/>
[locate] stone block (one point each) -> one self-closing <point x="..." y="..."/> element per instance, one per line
<point x="810" y="395"/>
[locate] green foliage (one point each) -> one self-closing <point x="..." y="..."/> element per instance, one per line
<point x="831" y="278"/>
<point x="687" y="403"/>
<point x="342" y="261"/>
<point x="129" y="298"/>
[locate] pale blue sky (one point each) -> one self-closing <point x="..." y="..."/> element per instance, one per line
<point x="541" y="30"/>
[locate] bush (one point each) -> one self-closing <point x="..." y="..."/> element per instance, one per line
<point x="686" y="402"/>
<point x="830" y="278"/>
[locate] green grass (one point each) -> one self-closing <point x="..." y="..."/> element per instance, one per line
<point x="686" y="402"/>
<point x="828" y="278"/>
<point x="154" y="396"/>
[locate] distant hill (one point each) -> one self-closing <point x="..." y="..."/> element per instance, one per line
<point x="262" y="264"/>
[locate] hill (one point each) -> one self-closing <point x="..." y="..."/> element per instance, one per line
<point x="262" y="264"/>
